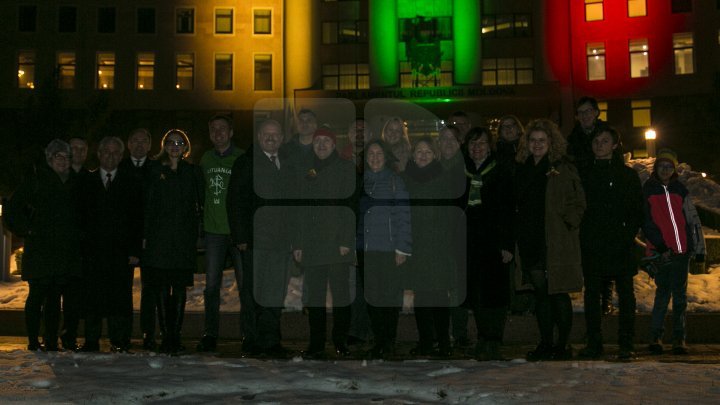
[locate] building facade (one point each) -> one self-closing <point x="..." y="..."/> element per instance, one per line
<point x="172" y="63"/>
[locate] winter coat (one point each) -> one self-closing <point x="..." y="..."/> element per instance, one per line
<point x="671" y="220"/>
<point x="172" y="216"/>
<point x="489" y="216"/>
<point x="433" y="264"/>
<point x="612" y="219"/>
<point x="45" y="211"/>
<point x="579" y="148"/>
<point x="564" y="204"/>
<point x="384" y="214"/>
<point x="256" y="203"/>
<point x="326" y="220"/>
<point x="113" y="224"/>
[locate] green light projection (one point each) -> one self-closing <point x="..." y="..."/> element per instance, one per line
<point x="436" y="42"/>
<point x="466" y="30"/>
<point x="383" y="43"/>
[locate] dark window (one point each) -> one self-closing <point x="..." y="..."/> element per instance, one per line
<point x="425" y="29"/>
<point x="681" y="6"/>
<point x="185" y="21"/>
<point x="224" y="21"/>
<point x="146" y="21"/>
<point x="263" y="72"/>
<point x="262" y="21"/>
<point x="223" y="71"/>
<point x="27" y="18"/>
<point x="67" y="19"/>
<point x="106" y="20"/>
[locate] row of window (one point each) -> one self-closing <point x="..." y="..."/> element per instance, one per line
<point x="495" y="72"/>
<point x="639" y="61"/>
<point x="105" y="72"/>
<point x="594" y="9"/>
<point x="146" y="20"/>
<point x="641" y="114"/>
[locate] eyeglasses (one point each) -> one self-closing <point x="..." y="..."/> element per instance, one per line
<point x="587" y="111"/>
<point x="179" y="142"/>
<point x="61" y="156"/>
<point x="508" y="126"/>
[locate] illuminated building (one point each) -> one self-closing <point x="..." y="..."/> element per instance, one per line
<point x="166" y="63"/>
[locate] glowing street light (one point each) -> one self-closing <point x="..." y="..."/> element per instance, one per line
<point x="650" y="136"/>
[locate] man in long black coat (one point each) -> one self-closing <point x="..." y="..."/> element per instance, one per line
<point x="111" y="205"/>
<point x="141" y="165"/>
<point x="262" y="180"/>
<point x="613" y="217"/>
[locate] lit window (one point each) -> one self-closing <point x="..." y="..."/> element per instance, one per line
<point x="683" y="49"/>
<point x="66" y="70"/>
<point x="145" y="70"/>
<point x="27" y="18"/>
<point x="346" y="76"/>
<point x="681" y="6"/>
<point x="105" y="70"/>
<point x="637" y="8"/>
<point x="223" y="71"/>
<point x="641" y="113"/>
<point x="516" y="25"/>
<point x="67" y="19"/>
<point x="184" y="71"/>
<point x="106" y="20"/>
<point x="146" y="20"/>
<point x="639" y="58"/>
<point x="603" y="108"/>
<point x="593" y="10"/>
<point x="262" y="21"/>
<point x="26" y="70"/>
<point x="224" y="21"/>
<point x="185" y="21"/>
<point x="595" y="61"/>
<point x="507" y="71"/>
<point x="263" y="72"/>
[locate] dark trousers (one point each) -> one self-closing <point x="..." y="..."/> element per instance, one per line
<point x="671" y="281"/>
<point x="71" y="296"/>
<point x="490" y="323"/>
<point x="264" y="286"/>
<point x="360" y="321"/>
<point x="551" y="310"/>
<point x="42" y="304"/>
<point x="433" y="324"/>
<point x="149" y="303"/>
<point x="595" y="286"/>
<point x="317" y="279"/>
<point x="172" y="302"/>
<point x="384" y="322"/>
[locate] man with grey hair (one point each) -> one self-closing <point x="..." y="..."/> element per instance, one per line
<point x="111" y="206"/>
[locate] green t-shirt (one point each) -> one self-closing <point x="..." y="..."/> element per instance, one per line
<point x="217" y="170"/>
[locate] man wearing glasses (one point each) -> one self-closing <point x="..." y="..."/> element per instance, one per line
<point x="586" y="127"/>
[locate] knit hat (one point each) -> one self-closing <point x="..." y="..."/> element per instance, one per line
<point x="667" y="155"/>
<point x="323" y="131"/>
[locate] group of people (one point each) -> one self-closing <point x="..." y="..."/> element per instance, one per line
<point x="460" y="220"/>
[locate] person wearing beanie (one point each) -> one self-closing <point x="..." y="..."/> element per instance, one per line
<point x="674" y="234"/>
<point x="326" y="233"/>
<point x="613" y="217"/>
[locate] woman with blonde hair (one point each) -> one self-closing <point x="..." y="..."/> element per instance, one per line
<point x="395" y="136"/>
<point x="172" y="214"/>
<point x="549" y="207"/>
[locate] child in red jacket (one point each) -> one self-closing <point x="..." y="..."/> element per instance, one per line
<point x="674" y="232"/>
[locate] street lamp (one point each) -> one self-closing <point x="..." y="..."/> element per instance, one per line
<point x="650" y="136"/>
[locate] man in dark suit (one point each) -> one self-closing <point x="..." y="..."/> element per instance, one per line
<point x="261" y="182"/>
<point x="111" y="205"/>
<point x="140" y="165"/>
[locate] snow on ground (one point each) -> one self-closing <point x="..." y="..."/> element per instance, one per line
<point x="138" y="378"/>
<point x="702" y="293"/>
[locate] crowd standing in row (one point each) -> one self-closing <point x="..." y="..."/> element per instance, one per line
<point x="461" y="220"/>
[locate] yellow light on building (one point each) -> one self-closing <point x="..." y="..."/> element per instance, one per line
<point x="650" y="134"/>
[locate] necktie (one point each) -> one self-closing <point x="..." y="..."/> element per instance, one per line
<point x="108" y="181"/>
<point x="275" y="161"/>
<point x="137" y="162"/>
